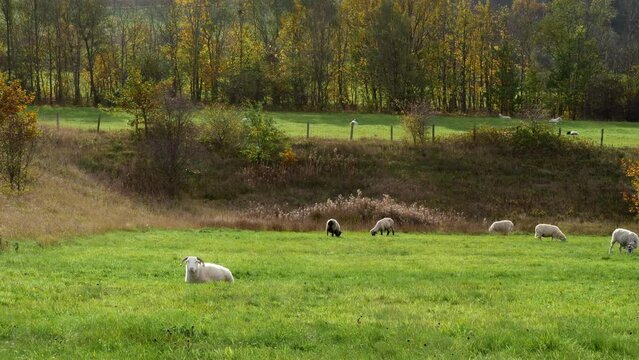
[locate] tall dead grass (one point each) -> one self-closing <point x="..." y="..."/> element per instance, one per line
<point x="360" y="212"/>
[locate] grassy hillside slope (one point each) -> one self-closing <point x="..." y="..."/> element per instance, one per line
<point x="81" y="185"/>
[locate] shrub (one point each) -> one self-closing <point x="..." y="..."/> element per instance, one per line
<point x="525" y="139"/>
<point x="223" y="129"/>
<point x="141" y="98"/>
<point x="631" y="196"/>
<point x="264" y="142"/>
<point x="164" y="154"/>
<point x="358" y="208"/>
<point x="18" y="133"/>
<point x="416" y="120"/>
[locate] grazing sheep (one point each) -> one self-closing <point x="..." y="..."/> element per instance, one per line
<point x="385" y="224"/>
<point x="502" y="226"/>
<point x="573" y="133"/>
<point x="555" y="120"/>
<point x="197" y="271"/>
<point x="546" y="230"/>
<point x="626" y="239"/>
<point x="332" y="227"/>
<point x="504" y="116"/>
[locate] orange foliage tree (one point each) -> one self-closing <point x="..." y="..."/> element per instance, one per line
<point x="631" y="168"/>
<point x="18" y="133"/>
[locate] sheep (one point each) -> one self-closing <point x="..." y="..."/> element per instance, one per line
<point x="504" y="116"/>
<point x="626" y="239"/>
<point x="385" y="224"/>
<point x="502" y="226"/>
<point x="332" y="227"/>
<point x="573" y="133"/>
<point x="354" y="122"/>
<point x="546" y="230"/>
<point x="197" y="271"/>
<point x="555" y="120"/>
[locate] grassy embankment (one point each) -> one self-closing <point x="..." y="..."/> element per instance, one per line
<point x="303" y="295"/>
<point x="373" y="126"/>
<point x="80" y="187"/>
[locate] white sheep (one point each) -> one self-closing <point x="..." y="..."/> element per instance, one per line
<point x="555" y="120"/>
<point x="385" y="224"/>
<point x="547" y="230"/>
<point x="354" y="122"/>
<point x="197" y="271"/>
<point x="504" y="116"/>
<point x="573" y="133"/>
<point x="626" y="239"/>
<point x="501" y="226"/>
<point x="332" y="227"/>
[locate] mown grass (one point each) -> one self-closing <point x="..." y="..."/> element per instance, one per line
<point x="303" y="295"/>
<point x="371" y="126"/>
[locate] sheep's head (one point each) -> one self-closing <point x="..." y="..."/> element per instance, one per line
<point x="632" y="245"/>
<point x="338" y="233"/>
<point x="192" y="263"/>
<point x="373" y="232"/>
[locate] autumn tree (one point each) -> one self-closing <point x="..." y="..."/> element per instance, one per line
<point x="141" y="98"/>
<point x="18" y="133"/>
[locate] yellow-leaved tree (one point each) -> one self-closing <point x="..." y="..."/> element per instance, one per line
<point x="18" y="133"/>
<point x="631" y="168"/>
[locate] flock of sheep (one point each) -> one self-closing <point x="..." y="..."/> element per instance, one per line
<point x="625" y="238"/>
<point x="198" y="271"/>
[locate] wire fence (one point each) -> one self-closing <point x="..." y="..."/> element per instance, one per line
<point x="396" y="132"/>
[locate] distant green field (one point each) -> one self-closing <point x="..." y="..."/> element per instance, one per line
<point x="308" y="296"/>
<point x="375" y="126"/>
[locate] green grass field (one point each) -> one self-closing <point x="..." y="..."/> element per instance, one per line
<point x="303" y="295"/>
<point x="337" y="125"/>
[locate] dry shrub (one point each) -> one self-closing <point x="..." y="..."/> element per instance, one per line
<point x="360" y="212"/>
<point x="534" y="112"/>
<point x="415" y="120"/>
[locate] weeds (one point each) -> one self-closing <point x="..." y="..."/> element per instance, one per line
<point x="357" y="209"/>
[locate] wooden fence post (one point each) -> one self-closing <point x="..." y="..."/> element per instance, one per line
<point x="99" y="119"/>
<point x="391" y="132"/>
<point x="352" y="127"/>
<point x="433" y="135"/>
<point x="602" y="133"/>
<point x="559" y="132"/>
<point x="308" y="129"/>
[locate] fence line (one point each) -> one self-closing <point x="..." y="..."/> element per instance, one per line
<point x="392" y="132"/>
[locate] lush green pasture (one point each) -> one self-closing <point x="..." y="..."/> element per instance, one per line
<point x="374" y="126"/>
<point x="303" y="295"/>
<point x="83" y="117"/>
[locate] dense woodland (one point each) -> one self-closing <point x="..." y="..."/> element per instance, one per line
<point x="576" y="58"/>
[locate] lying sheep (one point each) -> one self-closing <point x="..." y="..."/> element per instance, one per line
<point x="626" y="239"/>
<point x="385" y="224"/>
<point x="546" y="230"/>
<point x="501" y="226"/>
<point x="197" y="271"/>
<point x="332" y="227"/>
<point x="572" y="133"/>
